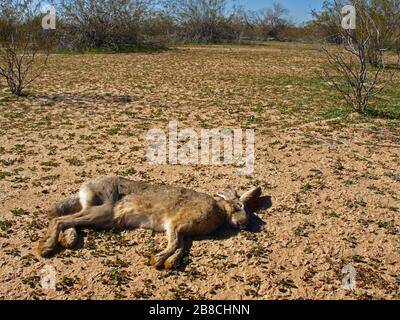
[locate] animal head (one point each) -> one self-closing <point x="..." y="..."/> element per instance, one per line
<point x="238" y="207"/>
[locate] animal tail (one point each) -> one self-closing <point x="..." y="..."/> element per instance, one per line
<point x="69" y="206"/>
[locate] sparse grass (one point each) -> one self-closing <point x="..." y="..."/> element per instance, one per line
<point x="52" y="150"/>
<point x="336" y="113"/>
<point x="333" y="214"/>
<point x="387" y="107"/>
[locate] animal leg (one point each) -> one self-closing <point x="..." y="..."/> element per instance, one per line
<point x="175" y="241"/>
<point x="173" y="261"/>
<point x="100" y="216"/>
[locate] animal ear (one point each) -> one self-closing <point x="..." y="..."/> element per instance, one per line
<point x="228" y="194"/>
<point x="250" y="197"/>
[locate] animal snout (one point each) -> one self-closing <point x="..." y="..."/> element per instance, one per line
<point x="240" y="225"/>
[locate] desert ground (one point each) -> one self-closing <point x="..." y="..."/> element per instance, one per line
<point x="333" y="177"/>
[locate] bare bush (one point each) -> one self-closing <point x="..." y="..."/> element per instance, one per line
<point x="23" y="46"/>
<point x="21" y="63"/>
<point x="271" y="21"/>
<point x="113" y="24"/>
<point x="202" y="20"/>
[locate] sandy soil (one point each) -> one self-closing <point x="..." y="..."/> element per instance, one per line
<point x="334" y="183"/>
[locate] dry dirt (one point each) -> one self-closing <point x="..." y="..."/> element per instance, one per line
<point x="334" y="183"/>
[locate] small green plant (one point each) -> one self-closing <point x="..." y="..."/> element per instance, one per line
<point x="50" y="163"/>
<point x="67" y="281"/>
<point x="333" y="214"/>
<point x="74" y="161"/>
<point x="3" y="175"/>
<point x="181" y="292"/>
<point x="117" y="263"/>
<point x="357" y="203"/>
<point x="338" y="166"/>
<point x="112" y="131"/>
<point x="286" y="284"/>
<point x="303" y="230"/>
<point x="6" y="224"/>
<point x="19" y="179"/>
<point x="392" y="175"/>
<point x="31" y="281"/>
<point x="52" y="150"/>
<point x="117" y="277"/>
<point x="389" y="226"/>
<point x="129" y="172"/>
<point x="306" y="187"/>
<point x="19" y="212"/>
<point x="8" y="162"/>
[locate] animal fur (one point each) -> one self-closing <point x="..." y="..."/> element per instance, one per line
<point x="115" y="202"/>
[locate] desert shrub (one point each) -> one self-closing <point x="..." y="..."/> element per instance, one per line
<point x="24" y="45"/>
<point x="112" y="24"/>
<point x="347" y="67"/>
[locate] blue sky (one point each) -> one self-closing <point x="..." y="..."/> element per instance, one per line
<point x="299" y="9"/>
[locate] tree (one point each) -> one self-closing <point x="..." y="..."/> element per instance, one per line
<point x="272" y="20"/>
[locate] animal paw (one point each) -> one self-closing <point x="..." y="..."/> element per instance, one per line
<point x="157" y="261"/>
<point x="68" y="238"/>
<point x="45" y="248"/>
<point x="170" y="264"/>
